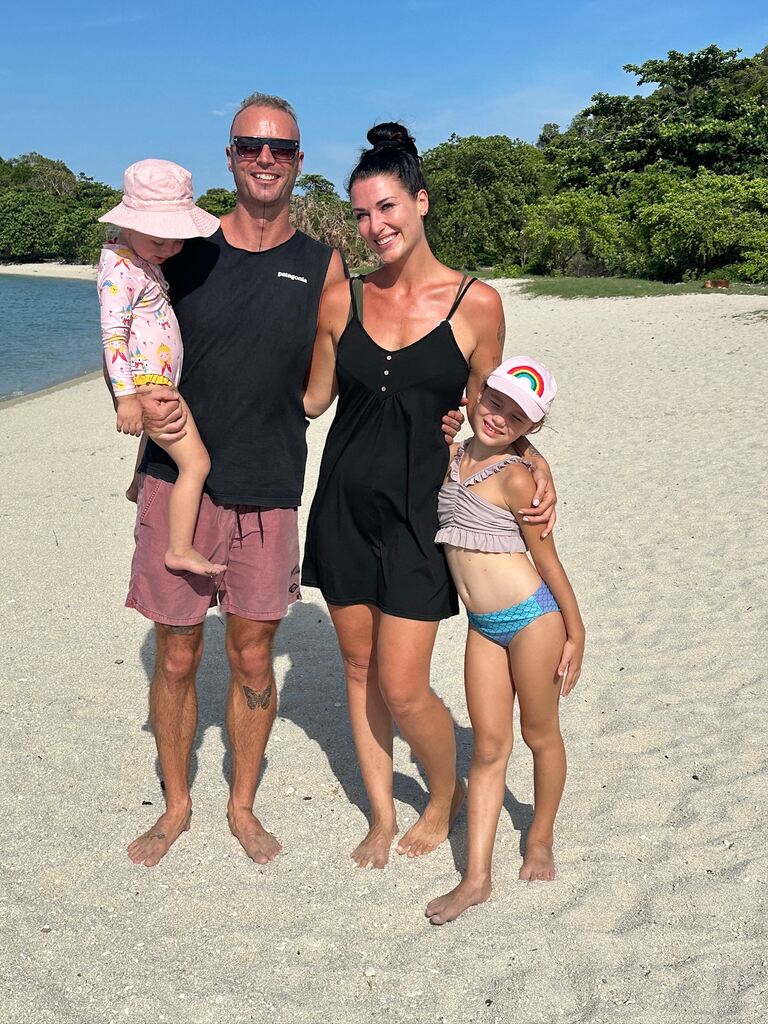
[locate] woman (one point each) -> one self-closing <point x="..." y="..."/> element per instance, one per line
<point x="399" y="346"/>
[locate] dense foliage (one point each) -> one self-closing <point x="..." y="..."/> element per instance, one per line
<point x="670" y="185"/>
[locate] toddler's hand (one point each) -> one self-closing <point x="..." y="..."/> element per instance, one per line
<point x="129" y="415"/>
<point x="569" y="668"/>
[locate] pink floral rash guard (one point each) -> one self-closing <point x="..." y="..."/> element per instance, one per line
<point x="139" y="331"/>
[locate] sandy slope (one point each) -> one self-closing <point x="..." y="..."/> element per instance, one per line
<point x="658" y="441"/>
<point x="81" y="272"/>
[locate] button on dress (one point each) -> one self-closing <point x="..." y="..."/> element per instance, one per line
<point x="372" y="525"/>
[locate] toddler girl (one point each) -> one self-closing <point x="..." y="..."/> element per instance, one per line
<point x="525" y="637"/>
<point x="142" y="344"/>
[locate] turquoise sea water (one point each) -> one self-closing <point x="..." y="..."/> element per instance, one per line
<point x="49" y="332"/>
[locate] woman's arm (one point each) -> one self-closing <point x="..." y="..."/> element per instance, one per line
<point x="321" y="387"/>
<point x="518" y="490"/>
<point x="541" y="510"/>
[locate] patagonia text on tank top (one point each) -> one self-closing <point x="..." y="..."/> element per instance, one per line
<point x="248" y="323"/>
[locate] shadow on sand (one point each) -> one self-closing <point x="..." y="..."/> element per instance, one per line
<point x="312" y="696"/>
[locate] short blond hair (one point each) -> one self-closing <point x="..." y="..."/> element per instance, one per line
<point x="264" y="99"/>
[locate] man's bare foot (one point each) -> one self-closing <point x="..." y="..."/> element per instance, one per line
<point x="260" y="845"/>
<point x="373" y="852"/>
<point x="538" y="863"/>
<point x="432" y="828"/>
<point x="150" y="848"/>
<point x="466" y="894"/>
<point x="192" y="561"/>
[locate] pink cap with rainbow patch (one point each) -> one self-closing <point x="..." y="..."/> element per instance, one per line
<point x="527" y="382"/>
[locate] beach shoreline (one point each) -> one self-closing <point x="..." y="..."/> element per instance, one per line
<point x="72" y="271"/>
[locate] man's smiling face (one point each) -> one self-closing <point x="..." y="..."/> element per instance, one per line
<point x="262" y="179"/>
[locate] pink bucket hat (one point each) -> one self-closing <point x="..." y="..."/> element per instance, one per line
<point x="527" y="382"/>
<point x="157" y="200"/>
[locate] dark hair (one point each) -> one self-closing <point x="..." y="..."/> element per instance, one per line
<point x="393" y="152"/>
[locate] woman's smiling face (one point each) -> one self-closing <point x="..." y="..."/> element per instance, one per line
<point x="390" y="220"/>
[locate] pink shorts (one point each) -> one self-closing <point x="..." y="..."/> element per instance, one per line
<point x="260" y="547"/>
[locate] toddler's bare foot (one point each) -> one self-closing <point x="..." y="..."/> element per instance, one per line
<point x="452" y="904"/>
<point x="152" y="846"/>
<point x="373" y="852"/>
<point x="538" y="863"/>
<point x="192" y="561"/>
<point x="260" y="845"/>
<point x="432" y="828"/>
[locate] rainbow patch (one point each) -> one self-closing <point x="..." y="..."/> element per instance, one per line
<point x="529" y="376"/>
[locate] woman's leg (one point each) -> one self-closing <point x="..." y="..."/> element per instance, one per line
<point x="356" y="627"/>
<point x="403" y="653"/>
<point x="534" y="655"/>
<point x="192" y="460"/>
<point x="490" y="701"/>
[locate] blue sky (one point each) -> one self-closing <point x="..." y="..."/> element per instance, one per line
<point x="100" y="86"/>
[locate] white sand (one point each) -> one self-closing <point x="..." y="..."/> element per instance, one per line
<point x="77" y="271"/>
<point x="658" y="441"/>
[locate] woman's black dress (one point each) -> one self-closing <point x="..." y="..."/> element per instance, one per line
<point x="372" y="525"/>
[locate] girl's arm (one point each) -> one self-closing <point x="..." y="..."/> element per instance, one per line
<point x="321" y="387"/>
<point x="118" y="293"/>
<point x="518" y="491"/>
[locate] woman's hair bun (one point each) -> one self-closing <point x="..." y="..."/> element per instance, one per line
<point x="391" y="133"/>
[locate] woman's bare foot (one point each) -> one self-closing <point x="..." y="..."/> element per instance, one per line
<point x="150" y="848"/>
<point x="373" y="852"/>
<point x="466" y="894"/>
<point x="192" y="561"/>
<point x="538" y="863"/>
<point x="432" y="828"/>
<point x="260" y="845"/>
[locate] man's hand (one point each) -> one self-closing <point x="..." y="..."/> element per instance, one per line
<point x="542" y="508"/>
<point x="164" y="415"/>
<point x="129" y="415"/>
<point x="452" y="422"/>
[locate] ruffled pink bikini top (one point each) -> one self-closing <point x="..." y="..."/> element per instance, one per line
<point x="469" y="521"/>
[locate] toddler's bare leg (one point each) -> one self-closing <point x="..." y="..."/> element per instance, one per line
<point x="533" y="656"/>
<point x="490" y="700"/>
<point x="191" y="458"/>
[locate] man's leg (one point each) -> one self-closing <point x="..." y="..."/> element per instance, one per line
<point x="250" y="713"/>
<point x="173" y="718"/>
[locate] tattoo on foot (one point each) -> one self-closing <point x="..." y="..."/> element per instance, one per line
<point x="182" y="630"/>
<point x="157" y="835"/>
<point x="258" y="700"/>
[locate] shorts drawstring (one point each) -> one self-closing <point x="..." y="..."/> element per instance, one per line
<point x="250" y="508"/>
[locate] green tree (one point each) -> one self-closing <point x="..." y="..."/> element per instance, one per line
<point x="29" y="222"/>
<point x="218" y="201"/>
<point x="478" y="188"/>
<point x="320" y="212"/>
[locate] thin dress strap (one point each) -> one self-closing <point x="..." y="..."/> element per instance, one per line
<point x="466" y="284"/>
<point x="356" y="296"/>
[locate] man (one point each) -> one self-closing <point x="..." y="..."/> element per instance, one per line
<point x="246" y="300"/>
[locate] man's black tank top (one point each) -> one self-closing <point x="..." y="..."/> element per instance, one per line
<point x="248" y="322"/>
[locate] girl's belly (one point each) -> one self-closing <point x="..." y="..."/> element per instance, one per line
<point x="489" y="581"/>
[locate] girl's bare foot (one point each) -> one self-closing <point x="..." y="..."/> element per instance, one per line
<point x="260" y="845"/>
<point x="432" y="828"/>
<point x="538" y="863"/>
<point x="192" y="561"/>
<point x="152" y="846"/>
<point x="452" y="904"/>
<point x="373" y="852"/>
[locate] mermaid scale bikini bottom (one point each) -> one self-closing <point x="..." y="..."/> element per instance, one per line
<point x="503" y="625"/>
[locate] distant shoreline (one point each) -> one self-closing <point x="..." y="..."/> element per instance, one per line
<point x="73" y="271"/>
<point x="8" y="400"/>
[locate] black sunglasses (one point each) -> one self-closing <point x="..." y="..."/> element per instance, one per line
<point x="249" y="147"/>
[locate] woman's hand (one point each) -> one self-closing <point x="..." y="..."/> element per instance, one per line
<point x="164" y="414"/>
<point x="542" y="507"/>
<point x="129" y="416"/>
<point x="569" y="668"/>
